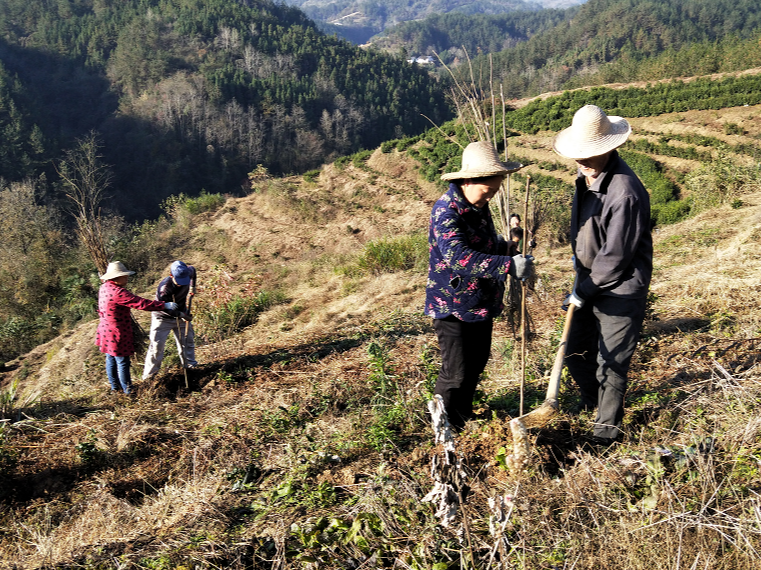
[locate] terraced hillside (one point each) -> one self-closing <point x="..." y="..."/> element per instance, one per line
<point x="303" y="441"/>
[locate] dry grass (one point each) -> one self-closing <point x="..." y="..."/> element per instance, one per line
<point x="283" y="454"/>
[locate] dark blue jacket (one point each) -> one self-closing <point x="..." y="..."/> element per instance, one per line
<point x="169" y="291"/>
<point x="468" y="266"/>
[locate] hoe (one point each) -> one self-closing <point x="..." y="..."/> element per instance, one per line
<point x="540" y="416"/>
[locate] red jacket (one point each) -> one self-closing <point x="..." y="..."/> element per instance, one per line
<point x="114" y="334"/>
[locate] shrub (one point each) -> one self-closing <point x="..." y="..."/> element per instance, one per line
<point x="178" y="207"/>
<point x="670" y="213"/>
<point x="388" y="255"/>
<point x="18" y="335"/>
<point x="388" y="146"/>
<point x="359" y="159"/>
<point x="223" y="311"/>
<point x="312" y="175"/>
<point x="341" y="162"/>
<point x="721" y="182"/>
<point x="733" y="129"/>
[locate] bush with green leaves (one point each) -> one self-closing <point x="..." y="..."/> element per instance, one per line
<point x="182" y="207"/>
<point x="224" y="307"/>
<point x="388" y="255"/>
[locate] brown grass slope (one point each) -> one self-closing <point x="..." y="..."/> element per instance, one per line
<point x="303" y="441"/>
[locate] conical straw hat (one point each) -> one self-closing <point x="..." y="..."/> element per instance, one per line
<point x="480" y="160"/>
<point x="592" y="133"/>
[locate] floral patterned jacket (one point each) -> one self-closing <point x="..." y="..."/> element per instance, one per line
<point x="468" y="266"/>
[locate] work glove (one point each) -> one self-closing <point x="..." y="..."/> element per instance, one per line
<point x="186" y="317"/>
<point x="169" y="306"/>
<point x="573" y="299"/>
<point x="521" y="267"/>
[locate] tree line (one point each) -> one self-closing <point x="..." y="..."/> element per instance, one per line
<point x="189" y="95"/>
<point x="614" y="39"/>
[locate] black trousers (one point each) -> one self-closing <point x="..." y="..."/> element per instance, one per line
<point x="465" y="349"/>
<point x="601" y="342"/>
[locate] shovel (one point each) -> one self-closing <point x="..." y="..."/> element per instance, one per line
<point x="540" y="416"/>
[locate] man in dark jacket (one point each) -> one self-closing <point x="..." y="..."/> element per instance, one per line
<point x="178" y="287"/>
<point x="467" y="270"/>
<point x="613" y="257"/>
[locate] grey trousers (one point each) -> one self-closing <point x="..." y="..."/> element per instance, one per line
<point x="601" y="342"/>
<point x="160" y="329"/>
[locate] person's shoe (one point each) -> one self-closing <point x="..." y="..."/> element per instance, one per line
<point x="598" y="443"/>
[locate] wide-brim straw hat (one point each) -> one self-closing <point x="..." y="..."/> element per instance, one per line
<point x="480" y="160"/>
<point x="115" y="269"/>
<point x="592" y="133"/>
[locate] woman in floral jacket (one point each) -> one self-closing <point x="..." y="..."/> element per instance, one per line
<point x="466" y="275"/>
<point x="114" y="336"/>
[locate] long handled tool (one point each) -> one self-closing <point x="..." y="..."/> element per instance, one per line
<point x="183" y="356"/>
<point x="524" y="289"/>
<point x="540" y="416"/>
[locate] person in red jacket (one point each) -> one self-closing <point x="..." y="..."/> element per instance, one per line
<point x="114" y="336"/>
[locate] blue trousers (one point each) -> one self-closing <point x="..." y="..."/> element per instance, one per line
<point x="601" y="342"/>
<point x="117" y="369"/>
<point x="465" y="349"/>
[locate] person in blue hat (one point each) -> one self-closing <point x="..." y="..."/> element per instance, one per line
<point x="179" y="287"/>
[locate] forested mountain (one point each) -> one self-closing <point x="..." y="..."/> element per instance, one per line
<point x="610" y="40"/>
<point x="187" y="95"/>
<point x="451" y="35"/>
<point x="358" y="21"/>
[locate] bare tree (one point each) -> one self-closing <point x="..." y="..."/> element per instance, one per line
<point x="86" y="179"/>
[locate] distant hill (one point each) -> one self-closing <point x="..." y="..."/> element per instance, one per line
<point x="451" y="36"/>
<point x="621" y="36"/>
<point x="187" y="95"/>
<point x="358" y="21"/>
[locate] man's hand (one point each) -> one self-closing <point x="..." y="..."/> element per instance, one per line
<point x="522" y="267"/>
<point x="572" y="299"/>
<point x="170" y="306"/>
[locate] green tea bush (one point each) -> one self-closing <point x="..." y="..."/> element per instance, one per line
<point x="665" y="205"/>
<point x="387" y="146"/>
<point x="671" y="212"/>
<point x="359" y="159"/>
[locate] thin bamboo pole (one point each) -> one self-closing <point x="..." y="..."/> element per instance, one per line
<point x="524" y="287"/>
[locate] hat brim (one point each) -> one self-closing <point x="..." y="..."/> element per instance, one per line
<point x="182" y="280"/>
<point x="108" y="276"/>
<point x="509" y="167"/>
<point x="568" y="145"/>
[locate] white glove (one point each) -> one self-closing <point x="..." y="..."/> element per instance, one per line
<point x="573" y="299"/>
<point x="169" y="306"/>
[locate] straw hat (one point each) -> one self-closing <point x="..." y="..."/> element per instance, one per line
<point x="592" y="133"/>
<point x="480" y="160"/>
<point x="115" y="269"/>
